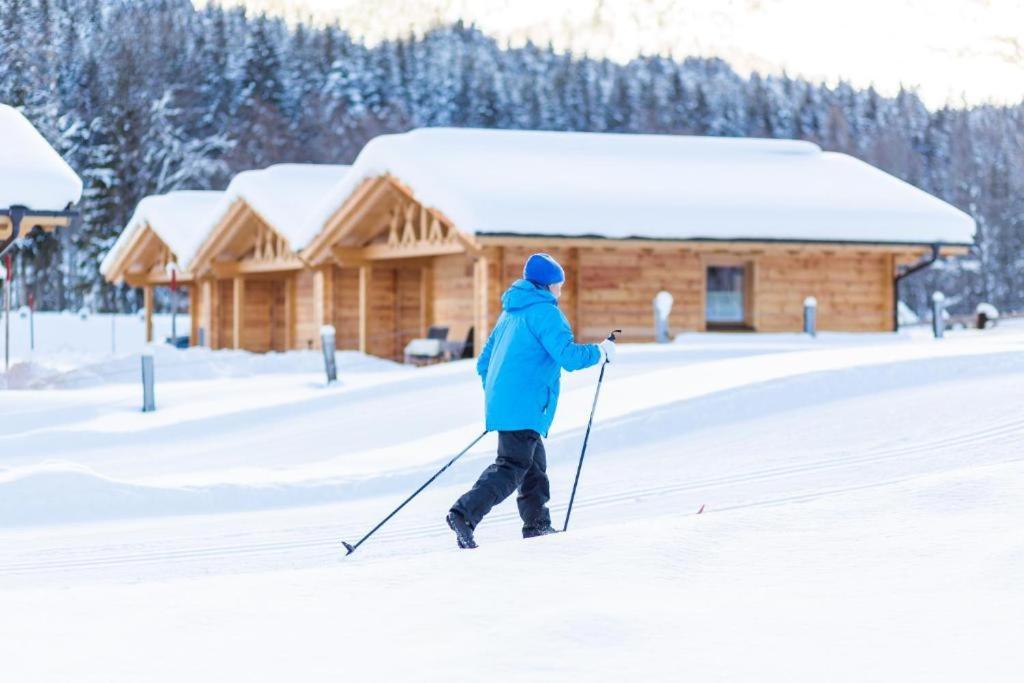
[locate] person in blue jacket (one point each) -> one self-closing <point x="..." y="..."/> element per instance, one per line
<point x="520" y="366"/>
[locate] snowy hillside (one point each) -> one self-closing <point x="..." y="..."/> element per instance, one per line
<point x="861" y="500"/>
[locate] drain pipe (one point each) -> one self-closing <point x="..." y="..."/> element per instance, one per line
<point x="896" y="284"/>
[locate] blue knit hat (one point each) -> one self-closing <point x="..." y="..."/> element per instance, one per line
<point x="543" y="270"/>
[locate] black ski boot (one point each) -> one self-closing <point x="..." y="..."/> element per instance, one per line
<point x="535" y="531"/>
<point x="463" y="532"/>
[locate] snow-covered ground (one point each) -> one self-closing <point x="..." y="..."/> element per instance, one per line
<point x="861" y="495"/>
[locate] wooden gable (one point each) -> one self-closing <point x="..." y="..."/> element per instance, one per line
<point x="144" y="260"/>
<point x="243" y="242"/>
<point x="383" y="220"/>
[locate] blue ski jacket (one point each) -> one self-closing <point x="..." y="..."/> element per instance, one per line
<point x="522" y="361"/>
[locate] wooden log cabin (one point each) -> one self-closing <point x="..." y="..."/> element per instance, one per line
<point x="254" y="291"/>
<point x="431" y="226"/>
<point x="164" y="232"/>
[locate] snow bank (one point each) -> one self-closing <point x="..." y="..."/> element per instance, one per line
<point x="194" y="363"/>
<point x="65" y="340"/>
<point x="650" y="186"/>
<point x="32" y="174"/>
<point x="180" y="219"/>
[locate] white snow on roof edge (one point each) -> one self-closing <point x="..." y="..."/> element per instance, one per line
<point x="283" y="195"/>
<point x="650" y="186"/>
<point x="32" y="174"/>
<point x="179" y="218"/>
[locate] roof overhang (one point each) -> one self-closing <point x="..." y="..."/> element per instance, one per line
<point x="382" y="220"/>
<point x="244" y="242"/>
<point x="144" y="261"/>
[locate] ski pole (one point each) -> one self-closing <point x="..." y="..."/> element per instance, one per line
<point x="586" y="436"/>
<point x="352" y="548"/>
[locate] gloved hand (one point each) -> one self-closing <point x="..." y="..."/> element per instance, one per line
<point x="607" y="350"/>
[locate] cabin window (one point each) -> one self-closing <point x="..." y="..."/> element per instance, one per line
<point x="726" y="305"/>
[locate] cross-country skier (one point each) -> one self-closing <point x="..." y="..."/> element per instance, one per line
<point x="520" y="366"/>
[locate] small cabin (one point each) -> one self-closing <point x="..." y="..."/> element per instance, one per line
<point x="156" y="247"/>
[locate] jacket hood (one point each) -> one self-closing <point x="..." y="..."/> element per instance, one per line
<point x="524" y="293"/>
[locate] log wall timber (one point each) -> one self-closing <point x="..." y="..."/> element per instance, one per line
<point x="264" y="315"/>
<point x="408" y="308"/>
<point x="225" y="313"/>
<point x="147" y="299"/>
<point x="854" y="291"/>
<point x="206" y="312"/>
<point x="453" y="294"/>
<point x="346" y="307"/>
<point x="193" y="314"/>
<point x="307" y="335"/>
<point x="382" y="312"/>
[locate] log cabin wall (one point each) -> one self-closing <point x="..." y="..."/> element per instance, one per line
<point x="223" y="316"/>
<point x="346" y="308"/>
<point x="382" y="313"/>
<point x="264" y="321"/>
<point x="614" y="285"/>
<point x="453" y="294"/>
<point x="854" y="291"/>
<point x="408" y="307"/>
<point x="307" y="333"/>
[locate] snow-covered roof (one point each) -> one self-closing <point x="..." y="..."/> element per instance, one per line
<point x="32" y="174"/>
<point x="180" y="219"/>
<point x="650" y="186"/>
<point x="283" y="195"/>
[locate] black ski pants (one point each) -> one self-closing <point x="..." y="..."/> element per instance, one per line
<point x="521" y="464"/>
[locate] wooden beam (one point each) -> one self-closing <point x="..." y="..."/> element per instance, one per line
<point x="193" y="315"/>
<point x="237" y="311"/>
<point x="147" y="299"/>
<point x="357" y="256"/>
<point x="155" y="280"/>
<point x="290" y="333"/>
<point x="364" y="299"/>
<point x="349" y="214"/>
<point x="481" y="323"/>
<point x="206" y="307"/>
<point x="744" y="247"/>
<point x="225" y="269"/>
<point x="426" y="298"/>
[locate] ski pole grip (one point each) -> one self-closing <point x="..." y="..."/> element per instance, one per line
<point x="611" y="337"/>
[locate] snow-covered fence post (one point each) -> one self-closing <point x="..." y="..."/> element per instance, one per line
<point x="811" y="316"/>
<point x="662" y="307"/>
<point x="938" y="309"/>
<point x="327" y="344"/>
<point x="148" y="394"/>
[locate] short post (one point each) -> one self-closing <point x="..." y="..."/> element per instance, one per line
<point x="172" y="270"/>
<point x="811" y="316"/>
<point x="148" y="394"/>
<point x="327" y="344"/>
<point x="938" y="308"/>
<point x="31" y="322"/>
<point x="662" y="308"/>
